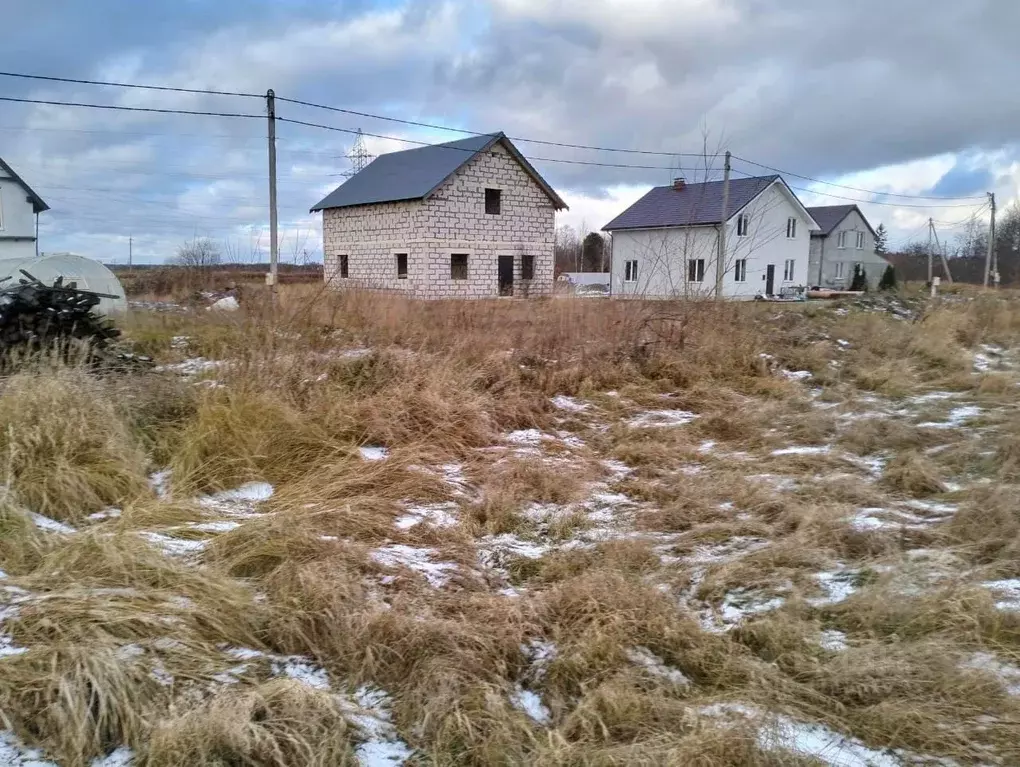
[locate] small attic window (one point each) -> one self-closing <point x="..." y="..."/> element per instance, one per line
<point x="493" y="201"/>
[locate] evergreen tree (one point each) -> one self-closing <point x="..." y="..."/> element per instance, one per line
<point x="881" y="240"/>
<point x="888" y="281"/>
<point x="860" y="280"/>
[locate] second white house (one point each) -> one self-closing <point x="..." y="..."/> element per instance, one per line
<point x="666" y="245"/>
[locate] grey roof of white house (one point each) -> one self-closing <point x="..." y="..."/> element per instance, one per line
<point x="831" y="216"/>
<point x="693" y="205"/>
<point x="414" y="174"/>
<point x="37" y="202"/>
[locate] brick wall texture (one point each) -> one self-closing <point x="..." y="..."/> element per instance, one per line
<point x="452" y="220"/>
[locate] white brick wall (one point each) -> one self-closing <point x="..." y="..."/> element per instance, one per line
<point x="453" y="220"/>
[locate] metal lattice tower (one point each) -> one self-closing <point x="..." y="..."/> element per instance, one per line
<point x="358" y="156"/>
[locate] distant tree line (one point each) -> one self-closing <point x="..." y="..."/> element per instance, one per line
<point x="585" y="252"/>
<point x="966" y="252"/>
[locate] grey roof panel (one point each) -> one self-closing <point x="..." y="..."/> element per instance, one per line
<point x="414" y="174"/>
<point x="37" y="202"/>
<point x="828" y="217"/>
<point x="694" y="205"/>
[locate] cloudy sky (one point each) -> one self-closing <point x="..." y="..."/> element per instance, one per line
<point x="909" y="97"/>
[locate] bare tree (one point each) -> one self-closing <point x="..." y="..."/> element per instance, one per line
<point x="202" y="251"/>
<point x="567" y="249"/>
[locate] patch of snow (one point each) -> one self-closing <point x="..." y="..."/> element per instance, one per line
<point x="243" y="653"/>
<point x="957" y="417"/>
<point x="529" y="437"/>
<point x="612" y="394"/>
<point x="50" y="525"/>
<point x="654" y="665"/>
<point x="420" y="560"/>
<point x="192" y="367"/>
<point x="833" y="640"/>
<point x="828" y="746"/>
<point x="803" y="450"/>
<point x="653" y="419"/>
<point x="796" y="375"/>
<point x="161" y="675"/>
<point x="250" y="492"/>
<point x="160" y="483"/>
<point x="129" y="651"/>
<point x="838" y="587"/>
<point x="354" y="354"/>
<point x="1007" y="673"/>
<point x="369" y="711"/>
<point x="2" y="575"/>
<point x="180" y="342"/>
<point x="618" y="469"/>
<point x="302" y="670"/>
<point x="122" y="757"/>
<point x="866" y="521"/>
<point x="570" y="440"/>
<point x="177" y="547"/>
<point x="225" y="304"/>
<point x="110" y="513"/>
<point x="531" y="704"/>
<point x="844" y="344"/>
<point x="740" y="603"/>
<point x="934" y="507"/>
<point x="13" y="753"/>
<point x="540" y="654"/>
<point x="369" y="453"/>
<point x="569" y="404"/>
<point x="494" y="550"/>
<point x="8" y="648"/>
<point x="1008" y="593"/>
<point x="220" y="526"/>
<point x="435" y="514"/>
<point x="707" y="446"/>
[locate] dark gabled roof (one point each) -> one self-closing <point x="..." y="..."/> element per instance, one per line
<point x="694" y="205"/>
<point x="37" y="202"/>
<point x="831" y="216"/>
<point x="415" y="174"/>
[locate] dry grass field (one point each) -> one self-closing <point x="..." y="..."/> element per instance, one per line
<point x="560" y="532"/>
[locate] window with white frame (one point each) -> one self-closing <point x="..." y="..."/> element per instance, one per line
<point x="791" y="228"/>
<point x="860" y="241"/>
<point x="743" y="225"/>
<point x="630" y="271"/>
<point x="788" y="270"/>
<point x="839" y="270"/>
<point x="696" y="270"/>
<point x="841" y="240"/>
<point x="740" y="270"/>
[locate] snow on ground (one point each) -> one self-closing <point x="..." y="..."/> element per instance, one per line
<point x="369" y="710"/>
<point x="531" y="704"/>
<point x="795" y="375"/>
<point x="803" y="450"/>
<point x="192" y="367"/>
<point x="1007" y="673"/>
<point x="652" y="419"/>
<point x="740" y="603"/>
<point x="122" y="757"/>
<point x="219" y="526"/>
<point x="50" y="525"/>
<point x="110" y="513"/>
<point x="13" y="753"/>
<point x="525" y="437"/>
<point x="1007" y="593"/>
<point x="838" y="585"/>
<point x="250" y="492"/>
<point x="175" y="547"/>
<point x="435" y="514"/>
<point x="569" y="404"/>
<point x="371" y="453"/>
<point x="957" y="417"/>
<point x="833" y="640"/>
<point x="160" y="483"/>
<point x="654" y="665"/>
<point x="8" y="648"/>
<point x="397" y="555"/>
<point x="301" y="670"/>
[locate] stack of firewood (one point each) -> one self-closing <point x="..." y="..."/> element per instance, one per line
<point x="35" y="316"/>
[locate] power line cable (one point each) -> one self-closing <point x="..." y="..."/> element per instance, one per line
<point x="131" y="85"/>
<point x="852" y="188"/>
<point x="120" y="108"/>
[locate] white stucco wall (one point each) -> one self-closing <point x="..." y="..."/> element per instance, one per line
<point x="662" y="254"/>
<point x="452" y="220"/>
<point x="826" y="253"/>
<point x="17" y="220"/>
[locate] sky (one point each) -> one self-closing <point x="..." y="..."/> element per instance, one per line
<point x="909" y="98"/>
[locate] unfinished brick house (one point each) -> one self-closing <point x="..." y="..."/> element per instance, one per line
<point x="466" y="219"/>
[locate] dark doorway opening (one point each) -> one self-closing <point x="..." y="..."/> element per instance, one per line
<point x="770" y="279"/>
<point x="506" y="275"/>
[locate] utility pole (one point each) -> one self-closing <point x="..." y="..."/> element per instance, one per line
<point x="991" y="240"/>
<point x="274" y="247"/>
<point x="931" y="230"/>
<point x="942" y="255"/>
<point x="720" y="261"/>
<point x="130" y="253"/>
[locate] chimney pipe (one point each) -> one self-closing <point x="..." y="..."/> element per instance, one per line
<point x="679" y="183"/>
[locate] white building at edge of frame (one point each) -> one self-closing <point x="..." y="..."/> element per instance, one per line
<point x="666" y="245"/>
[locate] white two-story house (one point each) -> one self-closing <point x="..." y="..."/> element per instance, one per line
<point x="466" y="219"/>
<point x="844" y="240"/>
<point x="19" y="215"/>
<point x="666" y="245"/>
